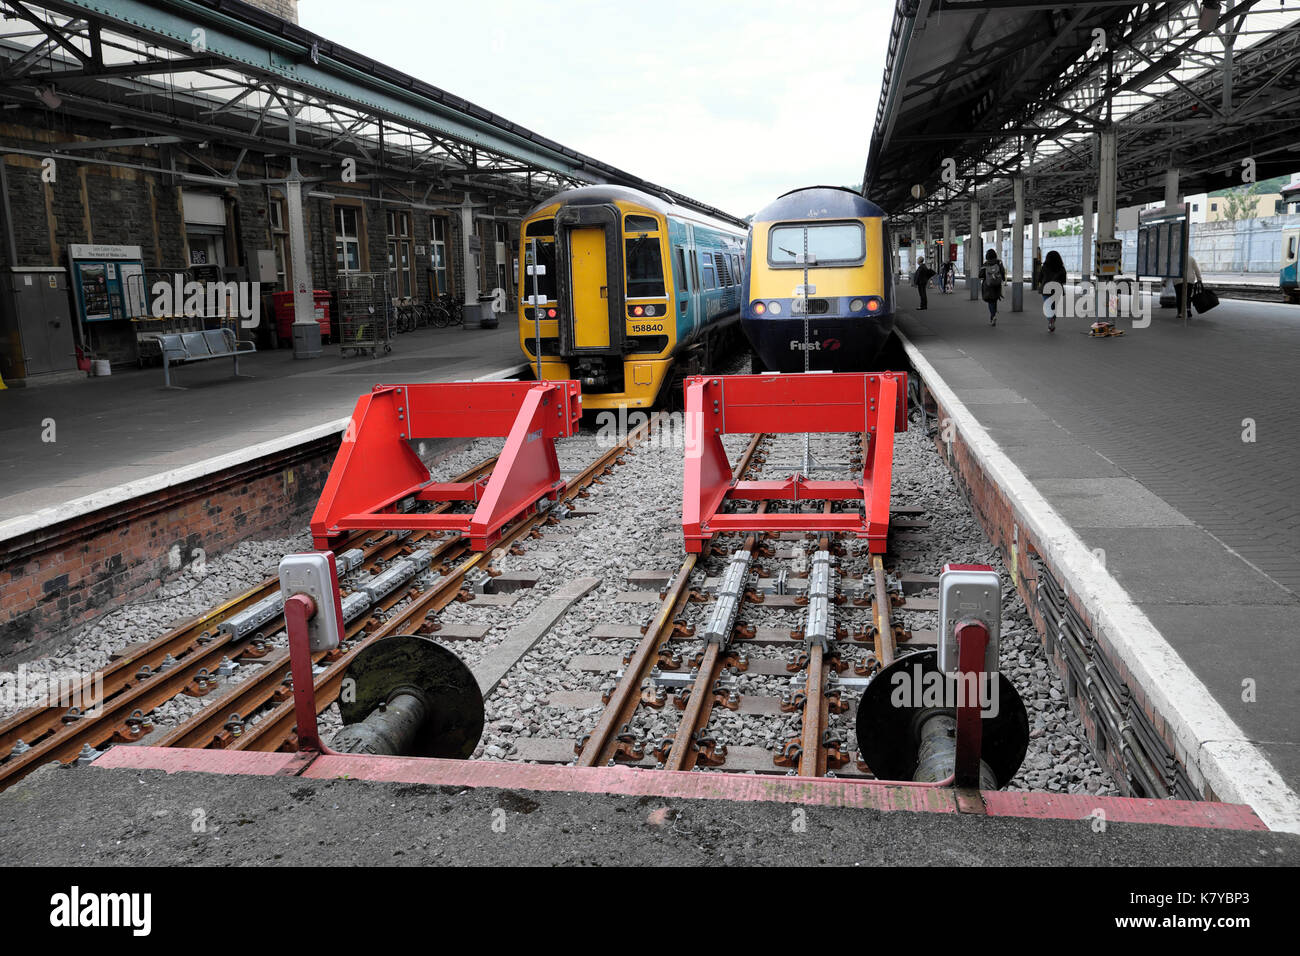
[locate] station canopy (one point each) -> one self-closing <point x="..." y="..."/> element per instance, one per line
<point x="1000" y="87"/>
<point x="188" y="72"/>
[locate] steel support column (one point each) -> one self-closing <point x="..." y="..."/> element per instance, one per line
<point x="1018" y="246"/>
<point x="1038" y="247"/>
<point x="1085" y="272"/>
<point x="976" y="251"/>
<point x="1171" y="188"/>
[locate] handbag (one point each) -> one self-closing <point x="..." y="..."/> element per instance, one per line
<point x="1203" y="299"/>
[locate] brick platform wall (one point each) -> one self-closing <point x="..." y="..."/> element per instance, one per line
<point x="56" y="579"/>
<point x="1006" y="530"/>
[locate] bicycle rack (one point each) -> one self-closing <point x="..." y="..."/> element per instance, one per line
<point x="874" y="404"/>
<point x="376" y="470"/>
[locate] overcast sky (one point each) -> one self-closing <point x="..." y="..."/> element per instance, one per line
<point x="730" y="103"/>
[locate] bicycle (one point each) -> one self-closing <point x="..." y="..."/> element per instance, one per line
<point x="445" y="311"/>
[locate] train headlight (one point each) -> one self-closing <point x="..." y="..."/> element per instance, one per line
<point x="873" y="305"/>
<point x="550" y="313"/>
<point x="776" y="308"/>
<point x="541" y="314"/>
<point x="758" y="308"/>
<point x="650" y="311"/>
<point x="638" y="311"/>
<point x="856" y="305"/>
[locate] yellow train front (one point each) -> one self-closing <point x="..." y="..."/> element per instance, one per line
<point x="839" y="243"/>
<point x="628" y="283"/>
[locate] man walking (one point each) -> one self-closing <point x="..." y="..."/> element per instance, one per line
<point x="920" y="278"/>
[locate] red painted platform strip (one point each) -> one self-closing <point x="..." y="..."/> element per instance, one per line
<point x="628" y="781"/>
<point x="862" y="794"/>
<point x="1177" y="813"/>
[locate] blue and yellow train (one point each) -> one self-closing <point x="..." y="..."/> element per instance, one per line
<point x="839" y="242"/>
<point x="1289" y="277"/>
<point x="630" y="284"/>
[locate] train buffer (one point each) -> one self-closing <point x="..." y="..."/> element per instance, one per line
<point x="873" y="404"/>
<point x="376" y="470"/>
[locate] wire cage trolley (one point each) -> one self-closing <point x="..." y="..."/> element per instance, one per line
<point x="365" y="322"/>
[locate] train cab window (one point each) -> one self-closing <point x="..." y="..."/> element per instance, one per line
<point x="829" y="244"/>
<point x="543" y="230"/>
<point x="645" y="267"/>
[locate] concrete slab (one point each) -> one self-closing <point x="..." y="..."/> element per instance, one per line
<point x="496" y="663"/>
<point x="1183" y="565"/>
<point x="1059" y="459"/>
<point x="1108" y="503"/>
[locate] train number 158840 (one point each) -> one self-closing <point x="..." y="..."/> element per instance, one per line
<point x="639" y="327"/>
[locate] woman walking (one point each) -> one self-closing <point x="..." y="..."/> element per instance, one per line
<point x="1053" y="274"/>
<point x="992" y="275"/>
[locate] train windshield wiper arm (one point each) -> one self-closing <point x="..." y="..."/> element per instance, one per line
<point x="792" y="255"/>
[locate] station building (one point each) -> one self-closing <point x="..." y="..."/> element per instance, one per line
<point x="96" y="213"/>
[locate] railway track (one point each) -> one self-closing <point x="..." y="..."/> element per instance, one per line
<point x="832" y="623"/>
<point x="257" y="713"/>
<point x="699" y="654"/>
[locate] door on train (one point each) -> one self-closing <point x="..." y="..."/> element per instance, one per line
<point x="1290" y="275"/>
<point x="590" y="270"/>
<point x="589" y="292"/>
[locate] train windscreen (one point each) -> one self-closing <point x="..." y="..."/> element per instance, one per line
<point x="645" y="268"/>
<point x="829" y="244"/>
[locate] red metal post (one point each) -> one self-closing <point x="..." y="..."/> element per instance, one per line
<point x="298" y="609"/>
<point x="972" y="641"/>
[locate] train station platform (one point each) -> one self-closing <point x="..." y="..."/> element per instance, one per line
<point x="1171" y="452"/>
<point x="124" y="435"/>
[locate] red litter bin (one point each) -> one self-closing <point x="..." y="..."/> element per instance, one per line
<point x="284" y="314"/>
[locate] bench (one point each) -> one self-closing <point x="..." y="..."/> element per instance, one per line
<point x="181" y="347"/>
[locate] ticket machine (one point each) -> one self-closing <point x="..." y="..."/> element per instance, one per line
<point x="108" y="284"/>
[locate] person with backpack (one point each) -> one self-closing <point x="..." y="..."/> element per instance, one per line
<point x="920" y="278"/>
<point x="1053" y="271"/>
<point x="992" y="275"/>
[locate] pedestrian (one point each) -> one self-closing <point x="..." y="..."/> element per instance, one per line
<point x="1053" y="272"/>
<point x="992" y="275"/>
<point x="920" y="278"/>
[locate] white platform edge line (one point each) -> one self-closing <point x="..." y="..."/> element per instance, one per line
<point x="1235" y="768"/>
<point x="77" y="507"/>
